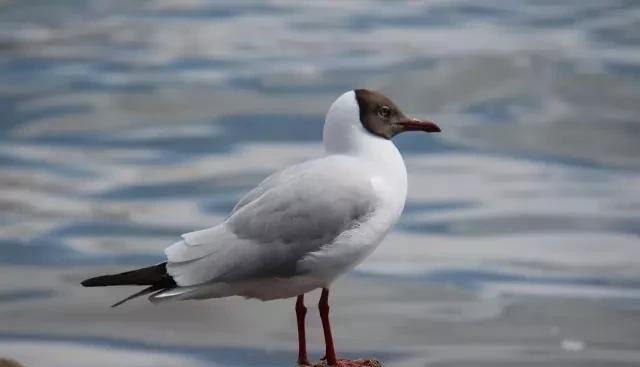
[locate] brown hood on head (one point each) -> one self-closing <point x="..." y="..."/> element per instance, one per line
<point x="381" y="117"/>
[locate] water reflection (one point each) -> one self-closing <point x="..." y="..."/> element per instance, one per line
<point x="124" y="124"/>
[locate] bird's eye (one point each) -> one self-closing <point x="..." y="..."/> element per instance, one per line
<point x="384" y="112"/>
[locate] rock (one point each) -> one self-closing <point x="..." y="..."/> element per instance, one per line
<point x="349" y="363"/>
<point x="6" y="362"/>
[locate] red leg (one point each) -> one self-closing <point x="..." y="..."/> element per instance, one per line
<point x="301" y="312"/>
<point x="323" y="306"/>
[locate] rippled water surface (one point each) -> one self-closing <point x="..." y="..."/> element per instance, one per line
<point x="124" y="124"/>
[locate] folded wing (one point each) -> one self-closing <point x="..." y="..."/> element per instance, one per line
<point x="289" y="215"/>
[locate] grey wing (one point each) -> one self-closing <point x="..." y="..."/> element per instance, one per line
<point x="266" y="184"/>
<point x="289" y="215"/>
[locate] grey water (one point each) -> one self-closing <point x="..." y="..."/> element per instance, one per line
<point x="126" y="123"/>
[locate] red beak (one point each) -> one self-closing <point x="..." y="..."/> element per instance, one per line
<point x="420" y="125"/>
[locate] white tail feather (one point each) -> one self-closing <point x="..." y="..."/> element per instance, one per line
<point x="213" y="290"/>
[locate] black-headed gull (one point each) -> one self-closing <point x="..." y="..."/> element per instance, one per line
<point x="300" y="228"/>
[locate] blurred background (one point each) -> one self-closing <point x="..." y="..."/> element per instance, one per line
<point x="126" y="123"/>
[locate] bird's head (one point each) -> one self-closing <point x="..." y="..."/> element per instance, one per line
<point x="362" y="111"/>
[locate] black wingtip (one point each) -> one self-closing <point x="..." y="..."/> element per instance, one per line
<point x="147" y="290"/>
<point x="150" y="275"/>
<point x="100" y="281"/>
<point x="154" y="276"/>
<point x="118" y="303"/>
<point x="89" y="282"/>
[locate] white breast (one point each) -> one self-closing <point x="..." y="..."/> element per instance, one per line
<point x="352" y="246"/>
<point x="344" y="135"/>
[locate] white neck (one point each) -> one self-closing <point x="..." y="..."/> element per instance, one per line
<point x="344" y="134"/>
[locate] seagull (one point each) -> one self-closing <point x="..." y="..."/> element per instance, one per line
<point x="301" y="227"/>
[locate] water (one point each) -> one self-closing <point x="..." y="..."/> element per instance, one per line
<point x="124" y="124"/>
